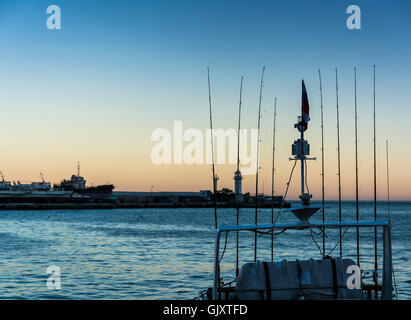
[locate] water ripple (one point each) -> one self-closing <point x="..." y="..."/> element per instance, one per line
<point x="159" y="253"/>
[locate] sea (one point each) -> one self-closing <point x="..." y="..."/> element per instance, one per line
<point x="169" y="253"/>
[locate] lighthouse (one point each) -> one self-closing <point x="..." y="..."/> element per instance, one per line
<point x="237" y="186"/>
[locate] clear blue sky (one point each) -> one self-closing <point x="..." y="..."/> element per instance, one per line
<point x="95" y="90"/>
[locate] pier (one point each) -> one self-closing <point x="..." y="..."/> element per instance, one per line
<point x="129" y="200"/>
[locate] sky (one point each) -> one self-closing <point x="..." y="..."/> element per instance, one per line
<point x="96" y="90"/>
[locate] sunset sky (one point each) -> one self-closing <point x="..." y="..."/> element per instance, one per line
<point x="95" y="90"/>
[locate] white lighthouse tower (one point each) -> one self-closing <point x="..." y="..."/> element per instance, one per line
<point x="237" y="186"/>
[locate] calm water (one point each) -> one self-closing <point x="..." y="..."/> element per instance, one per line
<point x="161" y="253"/>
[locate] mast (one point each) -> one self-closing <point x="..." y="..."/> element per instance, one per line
<point x="238" y="171"/>
<point x="356" y="167"/>
<point x="78" y="168"/>
<point x="256" y="175"/>
<point x="272" y="181"/>
<point x="322" y="157"/>
<point x="339" y="162"/>
<point x="212" y="151"/>
<point x="302" y="161"/>
<point x="300" y="150"/>
<point x="301" y="129"/>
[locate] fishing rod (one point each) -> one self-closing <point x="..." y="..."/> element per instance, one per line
<point x="339" y="161"/>
<point x="238" y="173"/>
<point x="375" y="201"/>
<point x="212" y="151"/>
<point x="322" y="157"/>
<point x="357" y="215"/>
<point x="272" y="181"/>
<point x="256" y="175"/>
<point x="389" y="211"/>
<point x="388" y="184"/>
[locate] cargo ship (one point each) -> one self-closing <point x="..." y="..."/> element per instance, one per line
<point x="77" y="184"/>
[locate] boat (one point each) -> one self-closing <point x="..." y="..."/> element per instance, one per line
<point x="36" y="192"/>
<point x="77" y="184"/>
<point x="331" y="277"/>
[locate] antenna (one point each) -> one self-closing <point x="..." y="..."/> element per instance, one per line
<point x="356" y="167"/>
<point x="256" y="175"/>
<point x="78" y="169"/>
<point x="212" y="151"/>
<point x="322" y="156"/>
<point x="339" y="161"/>
<point x="272" y="182"/>
<point x="238" y="174"/>
<point x="375" y="202"/>
<point x="300" y="150"/>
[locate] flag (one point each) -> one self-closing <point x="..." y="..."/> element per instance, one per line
<point x="305" y="107"/>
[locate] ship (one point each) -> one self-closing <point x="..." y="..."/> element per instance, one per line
<point x="37" y="192"/>
<point x="77" y="184"/>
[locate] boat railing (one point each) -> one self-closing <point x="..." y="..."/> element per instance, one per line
<point x="387" y="254"/>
